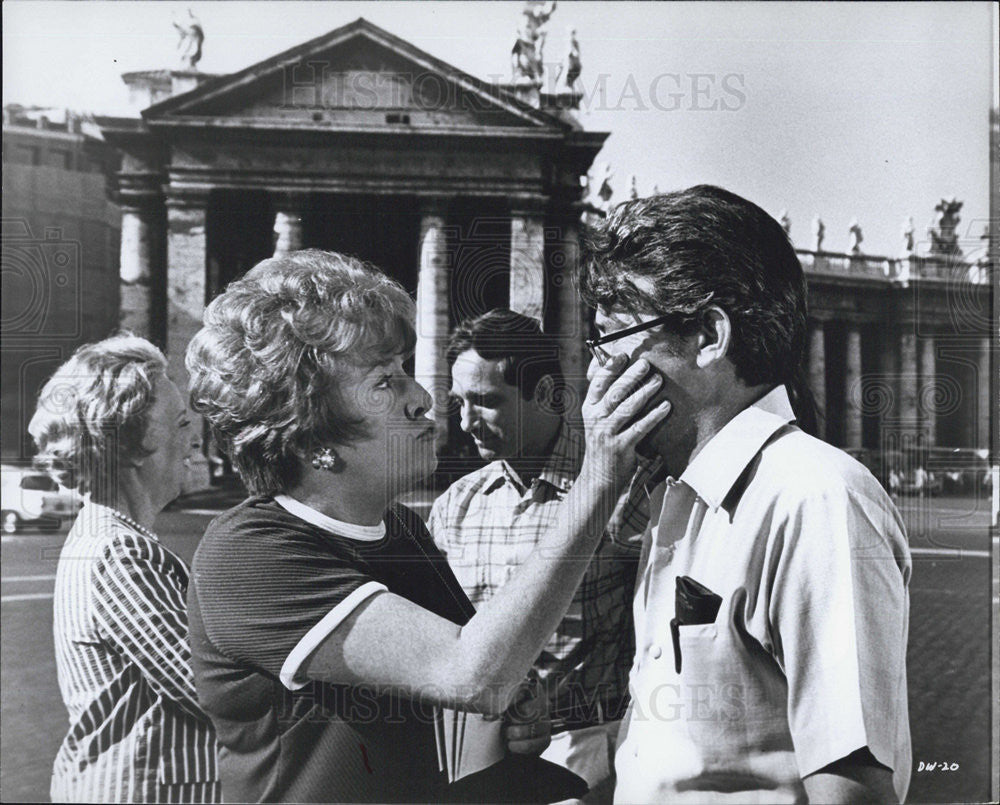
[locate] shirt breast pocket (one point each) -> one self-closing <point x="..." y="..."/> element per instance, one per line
<point x="734" y="703"/>
<point x="712" y="693"/>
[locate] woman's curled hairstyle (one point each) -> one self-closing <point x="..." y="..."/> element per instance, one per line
<point x="264" y="368"/>
<point x="93" y="412"/>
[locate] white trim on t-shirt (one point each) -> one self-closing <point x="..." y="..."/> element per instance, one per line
<point x="310" y="642"/>
<point x="366" y="533"/>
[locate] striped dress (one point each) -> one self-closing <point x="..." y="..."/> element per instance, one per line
<point x="136" y="731"/>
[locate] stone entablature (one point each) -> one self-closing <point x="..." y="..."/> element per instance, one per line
<point x="900" y="270"/>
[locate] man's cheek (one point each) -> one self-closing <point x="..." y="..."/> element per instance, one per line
<point x="654" y="442"/>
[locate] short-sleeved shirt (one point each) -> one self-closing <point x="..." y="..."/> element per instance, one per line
<point x="267" y="588"/>
<point x="487" y="523"/>
<point x="805" y="661"/>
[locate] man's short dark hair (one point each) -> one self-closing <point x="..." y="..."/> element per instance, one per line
<point x="526" y="354"/>
<point x="702" y="246"/>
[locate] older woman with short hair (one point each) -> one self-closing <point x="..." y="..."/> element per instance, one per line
<point x="111" y="424"/>
<point x="325" y="624"/>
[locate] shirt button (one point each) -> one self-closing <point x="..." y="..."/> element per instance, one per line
<point x="635" y="752"/>
<point x="655" y="652"/>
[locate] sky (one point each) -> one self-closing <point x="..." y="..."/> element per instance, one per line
<point x="874" y="111"/>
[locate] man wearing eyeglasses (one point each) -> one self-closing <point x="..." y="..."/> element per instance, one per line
<point x="506" y="387"/>
<point x="771" y="609"/>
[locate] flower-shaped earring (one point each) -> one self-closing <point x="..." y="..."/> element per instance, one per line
<point x="326" y="459"/>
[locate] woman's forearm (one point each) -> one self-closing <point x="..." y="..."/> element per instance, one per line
<point x="500" y="643"/>
<point x="391" y="643"/>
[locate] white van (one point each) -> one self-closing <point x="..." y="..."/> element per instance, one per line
<point x="32" y="498"/>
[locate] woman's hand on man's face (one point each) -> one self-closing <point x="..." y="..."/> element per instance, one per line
<point x="611" y="415"/>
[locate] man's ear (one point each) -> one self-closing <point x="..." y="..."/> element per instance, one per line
<point x="714" y="335"/>
<point x="545" y="392"/>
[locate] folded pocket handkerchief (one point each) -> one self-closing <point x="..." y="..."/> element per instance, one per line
<point x="694" y="604"/>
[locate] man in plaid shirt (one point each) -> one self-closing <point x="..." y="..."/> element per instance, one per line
<point x="507" y="382"/>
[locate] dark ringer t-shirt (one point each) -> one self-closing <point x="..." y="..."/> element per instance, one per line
<point x="264" y="584"/>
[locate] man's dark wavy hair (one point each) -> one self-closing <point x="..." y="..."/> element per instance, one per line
<point x="526" y="353"/>
<point x="679" y="252"/>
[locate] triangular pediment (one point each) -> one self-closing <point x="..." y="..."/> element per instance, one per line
<point x="356" y="77"/>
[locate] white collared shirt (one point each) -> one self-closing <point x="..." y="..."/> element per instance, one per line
<point x="805" y="662"/>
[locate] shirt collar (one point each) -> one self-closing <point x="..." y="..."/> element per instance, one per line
<point x="565" y="459"/>
<point x="715" y="470"/>
<point x="363" y="533"/>
<point x="495" y="473"/>
<point x="561" y="467"/>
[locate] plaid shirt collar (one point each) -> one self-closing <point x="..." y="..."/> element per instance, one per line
<point x="564" y="464"/>
<point x="565" y="459"/>
<point x="560" y="470"/>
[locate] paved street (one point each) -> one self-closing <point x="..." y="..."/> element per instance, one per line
<point x="949" y="656"/>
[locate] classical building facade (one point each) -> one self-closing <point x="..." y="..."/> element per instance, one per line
<point x="469" y="194"/>
<point x="358" y="142"/>
<point x="900" y="350"/>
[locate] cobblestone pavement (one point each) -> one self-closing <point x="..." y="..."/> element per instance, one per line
<point x="948" y="662"/>
<point x="949" y="652"/>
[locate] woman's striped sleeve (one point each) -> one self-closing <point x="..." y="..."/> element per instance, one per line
<point x="139" y="594"/>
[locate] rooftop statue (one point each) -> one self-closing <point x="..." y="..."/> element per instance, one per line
<point x="909" y="244"/>
<point x="604" y="189"/>
<point x="944" y="237"/>
<point x="856" y="236"/>
<point x="526" y="56"/>
<point x="191" y="38"/>
<point x="819" y="232"/>
<point x="571" y="67"/>
<point x="786" y="222"/>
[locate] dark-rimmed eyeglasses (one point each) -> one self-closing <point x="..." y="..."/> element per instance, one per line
<point x="595" y="345"/>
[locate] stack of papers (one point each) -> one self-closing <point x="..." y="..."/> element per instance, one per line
<point x="467" y="742"/>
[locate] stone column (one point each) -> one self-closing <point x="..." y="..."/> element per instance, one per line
<point x="817" y="373"/>
<point x="288" y="223"/>
<point x="853" y="397"/>
<point x="571" y="312"/>
<point x="909" y="390"/>
<point x="984" y="379"/>
<point x="433" y="285"/>
<point x="142" y="270"/>
<point x="186" y="272"/>
<point x="928" y="389"/>
<point x="527" y="261"/>
<point x="142" y="257"/>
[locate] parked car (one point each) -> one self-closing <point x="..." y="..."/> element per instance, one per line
<point x="31" y="498"/>
<point x="963" y="470"/>
<point x="920" y="481"/>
